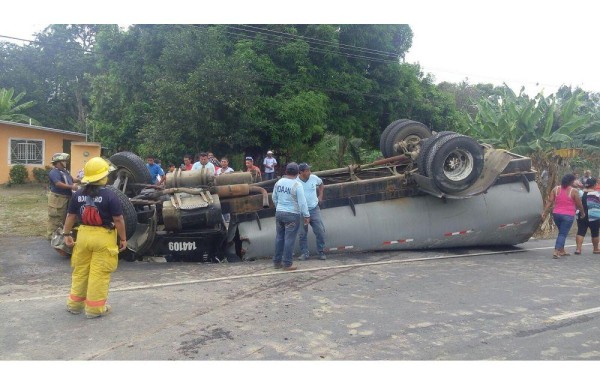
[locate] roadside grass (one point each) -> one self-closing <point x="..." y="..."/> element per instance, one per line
<point x="23" y="209"/>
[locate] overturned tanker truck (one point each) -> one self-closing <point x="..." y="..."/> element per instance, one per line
<point x="431" y="190"/>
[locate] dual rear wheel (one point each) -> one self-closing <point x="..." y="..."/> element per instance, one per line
<point x="452" y="160"/>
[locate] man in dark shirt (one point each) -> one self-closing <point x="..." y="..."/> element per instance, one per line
<point x="61" y="187"/>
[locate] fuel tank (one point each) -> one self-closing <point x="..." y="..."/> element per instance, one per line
<point x="507" y="214"/>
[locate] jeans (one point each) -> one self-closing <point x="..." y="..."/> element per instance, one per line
<point x="318" y="228"/>
<point x="287" y="225"/>
<point x="564" y="224"/>
<point x="269" y="175"/>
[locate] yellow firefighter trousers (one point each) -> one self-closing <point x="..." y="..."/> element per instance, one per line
<point x="57" y="211"/>
<point x="95" y="256"/>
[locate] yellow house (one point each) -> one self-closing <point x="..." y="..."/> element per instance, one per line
<point x="33" y="146"/>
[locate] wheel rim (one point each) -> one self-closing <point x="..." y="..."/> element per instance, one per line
<point x="458" y="165"/>
<point x="123" y="176"/>
<point x="124" y="181"/>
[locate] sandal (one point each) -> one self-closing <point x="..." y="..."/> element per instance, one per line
<point x="597" y="252"/>
<point x="565" y="254"/>
<point x="556" y="256"/>
<point x="577" y="252"/>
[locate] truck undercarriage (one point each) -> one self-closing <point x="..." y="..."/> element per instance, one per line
<point x="430" y="191"/>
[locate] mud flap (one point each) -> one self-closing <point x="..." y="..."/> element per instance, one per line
<point x="143" y="237"/>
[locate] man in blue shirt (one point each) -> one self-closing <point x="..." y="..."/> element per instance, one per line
<point x="290" y="209"/>
<point x="156" y="172"/>
<point x="313" y="191"/>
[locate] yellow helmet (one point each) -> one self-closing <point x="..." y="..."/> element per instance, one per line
<point x="95" y="169"/>
<point x="60" y="157"/>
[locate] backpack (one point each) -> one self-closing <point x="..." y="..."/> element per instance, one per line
<point x="591" y="203"/>
<point x="90" y="214"/>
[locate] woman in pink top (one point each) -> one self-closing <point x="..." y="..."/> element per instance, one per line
<point x="566" y="200"/>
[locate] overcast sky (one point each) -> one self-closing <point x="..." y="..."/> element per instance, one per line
<point x="532" y="43"/>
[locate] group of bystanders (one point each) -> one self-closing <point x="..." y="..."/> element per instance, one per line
<point x="575" y="200"/>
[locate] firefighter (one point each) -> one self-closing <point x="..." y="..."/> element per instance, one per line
<point x="60" y="191"/>
<point x="96" y="253"/>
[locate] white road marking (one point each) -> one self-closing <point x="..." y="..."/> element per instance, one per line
<point x="571" y="315"/>
<point x="279" y="272"/>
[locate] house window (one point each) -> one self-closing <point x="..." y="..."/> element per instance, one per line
<point x="25" y="151"/>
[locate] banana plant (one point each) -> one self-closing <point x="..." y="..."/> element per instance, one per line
<point x="536" y="127"/>
<point x="541" y="124"/>
<point x="10" y="110"/>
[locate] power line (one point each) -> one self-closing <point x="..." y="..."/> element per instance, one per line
<point x="325" y="42"/>
<point x="348" y="55"/>
<point x="36" y="42"/>
<point x="268" y="35"/>
<point x="262" y="78"/>
<point x="16" y="38"/>
<point x="271" y="33"/>
<point x="269" y="41"/>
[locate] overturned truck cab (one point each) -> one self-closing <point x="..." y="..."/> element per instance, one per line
<point x="431" y="190"/>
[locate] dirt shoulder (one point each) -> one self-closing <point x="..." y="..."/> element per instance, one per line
<point x="23" y="209"/>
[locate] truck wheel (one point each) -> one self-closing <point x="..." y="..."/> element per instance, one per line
<point x="129" y="213"/>
<point x="131" y="167"/>
<point x="425" y="147"/>
<point x="454" y="163"/>
<point x="409" y="130"/>
<point x="385" y="133"/>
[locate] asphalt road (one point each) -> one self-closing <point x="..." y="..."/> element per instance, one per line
<point x="514" y="303"/>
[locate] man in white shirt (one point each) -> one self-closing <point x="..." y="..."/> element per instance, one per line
<point x="269" y="164"/>
<point x="313" y="192"/>
<point x="203" y="163"/>
<point x="225" y="168"/>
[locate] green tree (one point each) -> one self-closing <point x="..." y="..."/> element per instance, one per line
<point x="55" y="71"/>
<point x="336" y="151"/>
<point x="170" y="90"/>
<point x="233" y="89"/>
<point x="10" y="109"/>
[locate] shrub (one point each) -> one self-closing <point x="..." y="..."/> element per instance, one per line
<point x="18" y="174"/>
<point x="41" y="174"/>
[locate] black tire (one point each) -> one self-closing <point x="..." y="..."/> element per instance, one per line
<point x="433" y="148"/>
<point x="406" y="130"/>
<point x="384" y="134"/>
<point x="129" y="213"/>
<point x="454" y="163"/>
<point x="134" y="168"/>
<point x="425" y="147"/>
